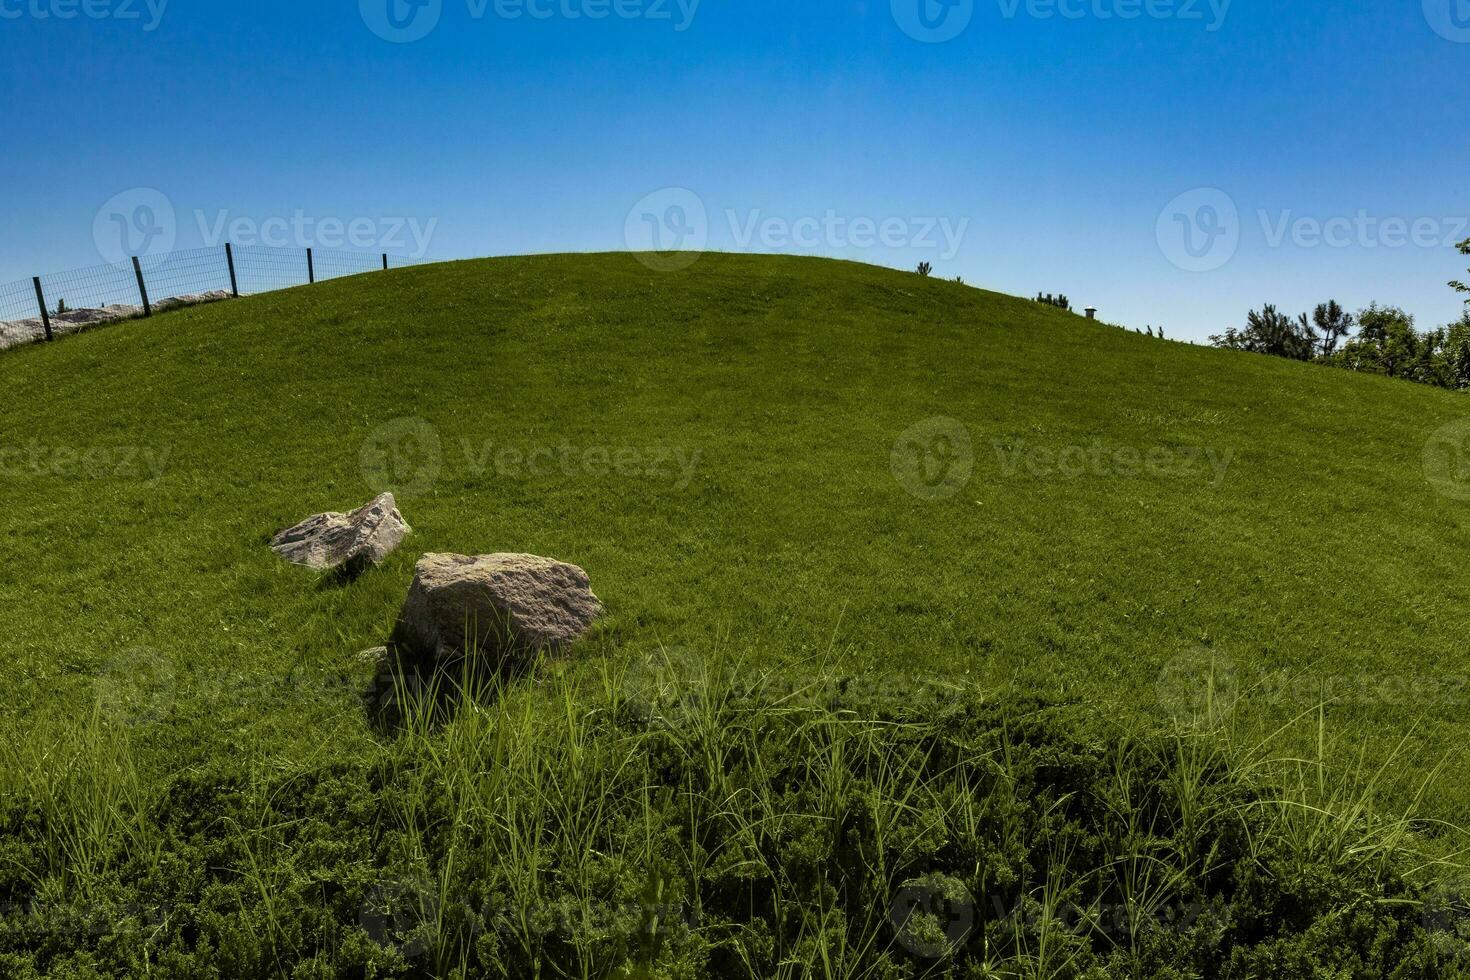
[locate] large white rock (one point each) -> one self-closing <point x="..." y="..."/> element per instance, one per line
<point x="328" y="542"/>
<point x="506" y="608"/>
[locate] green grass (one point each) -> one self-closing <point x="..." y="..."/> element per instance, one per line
<point x="682" y="817"/>
<point x="716" y="448"/>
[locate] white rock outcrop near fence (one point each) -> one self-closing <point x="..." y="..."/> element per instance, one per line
<point x="351" y="542"/>
<point x="16" y="332"/>
<point x="503" y="609"/>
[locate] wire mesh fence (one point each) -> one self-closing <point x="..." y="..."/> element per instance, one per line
<point x="67" y="302"/>
<point x="335" y="265"/>
<point x="262" y="269"/>
<point x="172" y="274"/>
<point x="96" y="287"/>
<point x="17" y="306"/>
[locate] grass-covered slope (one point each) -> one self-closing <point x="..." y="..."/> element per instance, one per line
<point x="728" y="450"/>
<point x="778" y="389"/>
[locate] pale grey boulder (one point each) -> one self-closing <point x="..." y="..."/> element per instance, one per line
<point x="345" y="542"/>
<point x="503" y="609"/>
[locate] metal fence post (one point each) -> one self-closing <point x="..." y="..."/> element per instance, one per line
<point x="142" y="287"/>
<point x="41" y="302"/>
<point x="310" y="268"/>
<point x="230" y="258"/>
<point x="385" y="261"/>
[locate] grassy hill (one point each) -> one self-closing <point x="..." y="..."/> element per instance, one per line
<point x="735" y="454"/>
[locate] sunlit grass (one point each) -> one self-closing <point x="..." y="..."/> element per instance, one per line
<point x="996" y="694"/>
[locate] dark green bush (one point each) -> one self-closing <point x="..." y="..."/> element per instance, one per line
<point x="686" y="824"/>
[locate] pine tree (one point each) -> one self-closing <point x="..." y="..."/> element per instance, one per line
<point x="1272" y="332"/>
<point x="1334" y="323"/>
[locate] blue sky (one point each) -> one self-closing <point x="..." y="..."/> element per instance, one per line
<point x="1171" y="162"/>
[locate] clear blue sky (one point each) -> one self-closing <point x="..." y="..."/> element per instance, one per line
<point x="1054" y="134"/>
